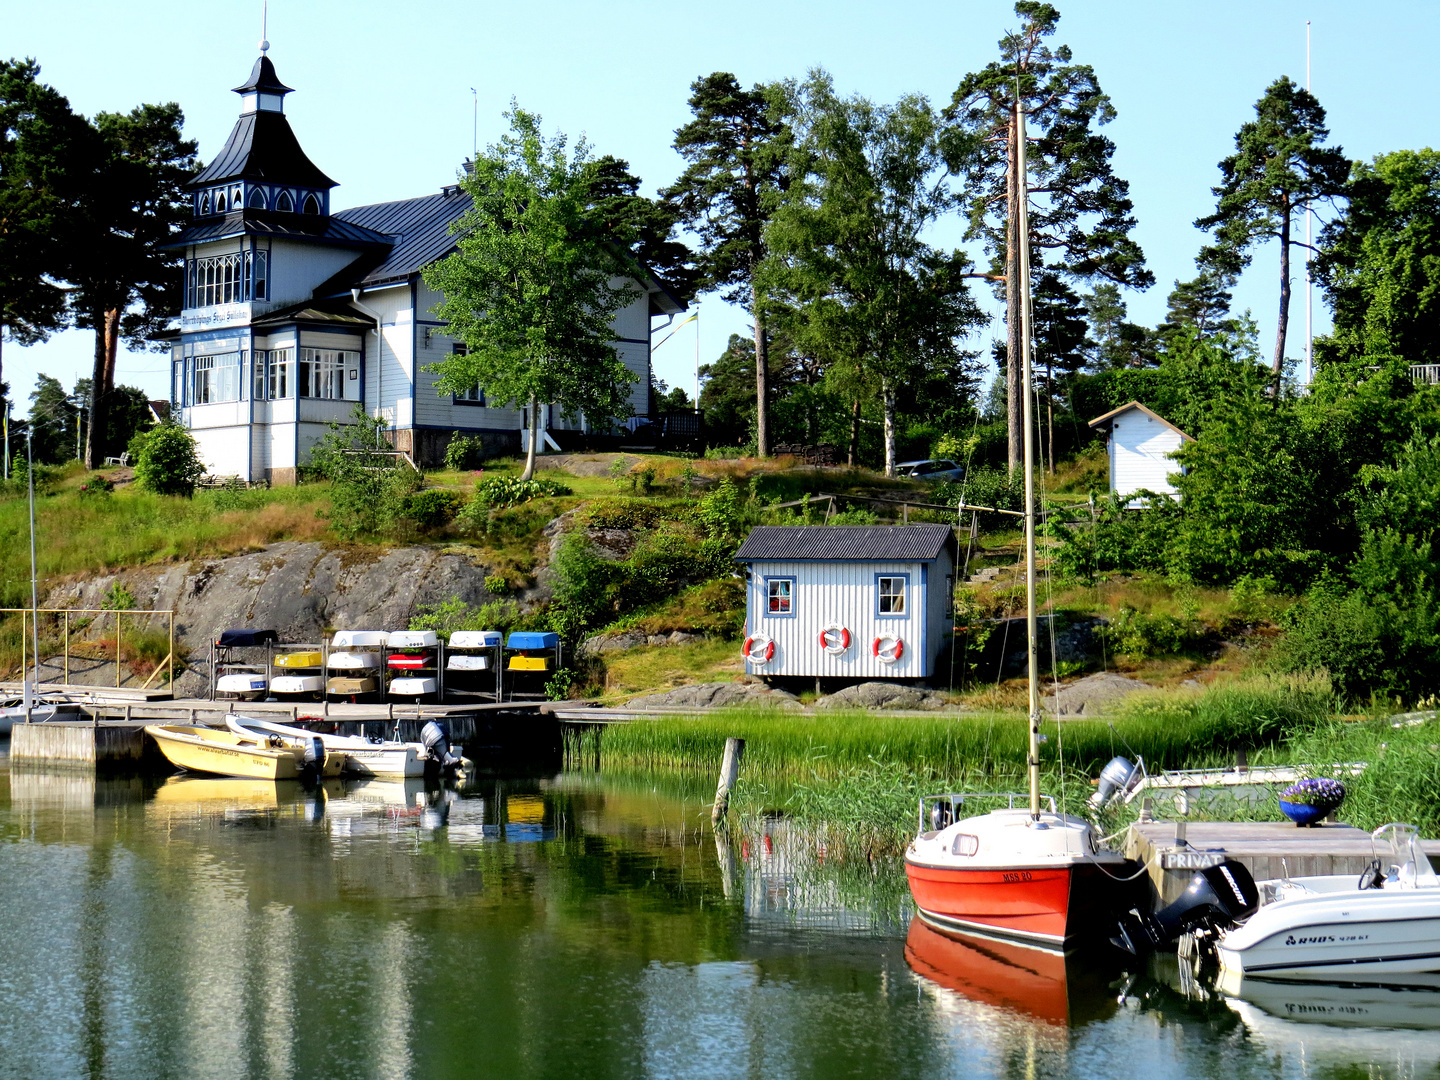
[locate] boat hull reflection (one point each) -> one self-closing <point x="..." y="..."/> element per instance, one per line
<point x="1037" y="982"/>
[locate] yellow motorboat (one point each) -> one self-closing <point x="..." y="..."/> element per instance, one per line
<point x="300" y="660"/>
<point x="210" y="750"/>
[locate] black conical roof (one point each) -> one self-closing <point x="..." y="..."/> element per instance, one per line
<point x="263" y="77"/>
<point x="261" y="146"/>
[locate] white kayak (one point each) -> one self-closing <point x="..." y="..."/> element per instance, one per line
<point x="364" y="757"/>
<point x="353" y="661"/>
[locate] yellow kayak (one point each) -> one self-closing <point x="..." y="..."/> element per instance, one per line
<point x="299" y="660"/>
<point x="210" y="750"/>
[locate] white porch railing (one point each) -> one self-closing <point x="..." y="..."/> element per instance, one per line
<point x="1425" y="373"/>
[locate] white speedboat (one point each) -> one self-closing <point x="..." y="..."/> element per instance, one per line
<point x="297" y="684"/>
<point x="364" y="757"/>
<point x="421" y="686"/>
<point x="413" y="639"/>
<point x="1386" y="923"/>
<point x="249" y="682"/>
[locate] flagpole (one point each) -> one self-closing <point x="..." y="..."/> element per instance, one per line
<point x="697" y="359"/>
<point x="1309" y="251"/>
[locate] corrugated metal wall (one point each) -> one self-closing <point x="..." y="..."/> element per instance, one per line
<point x="845" y="594"/>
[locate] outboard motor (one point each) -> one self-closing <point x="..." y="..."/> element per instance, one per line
<point x="312" y="761"/>
<point x="1118" y="776"/>
<point x="436" y="812"/>
<point x="1216" y="897"/>
<point x="437" y="745"/>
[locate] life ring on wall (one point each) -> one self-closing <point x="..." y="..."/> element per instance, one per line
<point x="888" y="654"/>
<point x="835" y="639"/>
<point x="759" y="649"/>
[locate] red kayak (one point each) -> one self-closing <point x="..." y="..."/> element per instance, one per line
<point x="1005" y="873"/>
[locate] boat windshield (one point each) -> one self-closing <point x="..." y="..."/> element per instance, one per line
<point x="1399" y="845"/>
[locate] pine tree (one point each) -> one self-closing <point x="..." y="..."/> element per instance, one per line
<point x="1081" y="214"/>
<point x="1279" y="169"/>
<point x="735" y="147"/>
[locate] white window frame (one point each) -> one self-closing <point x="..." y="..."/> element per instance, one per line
<point x="215" y="378"/>
<point x="280" y="374"/>
<point x="321" y="373"/>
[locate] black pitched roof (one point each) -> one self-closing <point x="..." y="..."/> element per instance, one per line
<point x="332" y="312"/>
<point x="262" y="147"/>
<point x="419" y="228"/>
<point x="845" y="543"/>
<point x="313" y="227"/>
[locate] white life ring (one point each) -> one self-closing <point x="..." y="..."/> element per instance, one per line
<point x="759" y="649"/>
<point x="835" y="639"/>
<point x="888" y="654"/>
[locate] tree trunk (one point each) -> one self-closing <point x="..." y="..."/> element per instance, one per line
<point x="534" y="426"/>
<point x="887" y="394"/>
<point x="762" y="380"/>
<point x="112" y="347"/>
<point x="94" y="456"/>
<point x="1014" y="386"/>
<point x="1050" y="409"/>
<point x="1278" y="365"/>
<point x="853" y="455"/>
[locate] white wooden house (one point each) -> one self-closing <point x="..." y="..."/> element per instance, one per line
<point x="294" y="313"/>
<point x="847" y="601"/>
<point x="1141" y="445"/>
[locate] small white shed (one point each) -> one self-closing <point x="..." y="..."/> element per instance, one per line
<point x="1142" y="444"/>
<point x="847" y="601"/>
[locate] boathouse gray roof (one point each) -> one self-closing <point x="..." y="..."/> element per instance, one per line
<point x="845" y="543"/>
<point x="419" y="229"/>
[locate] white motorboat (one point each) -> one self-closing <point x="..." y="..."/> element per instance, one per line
<point x="353" y="661"/>
<point x="1387" y="923"/>
<point x="364" y="757"/>
<point x="246" y="682"/>
<point x="475" y="639"/>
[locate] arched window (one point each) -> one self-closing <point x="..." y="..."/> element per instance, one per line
<point x="312" y="204"/>
<point x="204" y="202"/>
<point x="235" y="197"/>
<point x="285" y="203"/>
<point x="219" y="202"/>
<point x="257" y="199"/>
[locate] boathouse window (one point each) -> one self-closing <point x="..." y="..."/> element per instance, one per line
<point x="215" y="378"/>
<point x="261" y="359"/>
<point x="322" y="372"/>
<point x="256" y="200"/>
<point x="204" y="202"/>
<point x="890" y="590"/>
<point x="312" y="204"/>
<point x="285" y="202"/>
<point x="475" y="395"/>
<point x="220" y="279"/>
<point x="281" y="366"/>
<point x="780" y="597"/>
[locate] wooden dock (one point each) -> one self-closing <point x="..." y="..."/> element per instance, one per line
<point x="1173" y="850"/>
<point x="112" y="736"/>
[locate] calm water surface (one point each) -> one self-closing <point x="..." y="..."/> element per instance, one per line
<point x="574" y="926"/>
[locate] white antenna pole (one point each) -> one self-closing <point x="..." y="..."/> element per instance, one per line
<point x="475" y="126"/>
<point x="1309" y="252"/>
<point x="697" y="359"/>
<point x="264" y="27"/>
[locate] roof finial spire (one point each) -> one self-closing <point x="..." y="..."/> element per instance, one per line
<point x="264" y="26"/>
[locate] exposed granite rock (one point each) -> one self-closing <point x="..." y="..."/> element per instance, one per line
<point x="1092" y="695"/>
<point x="715" y="696"/>
<point x="881" y="695"/>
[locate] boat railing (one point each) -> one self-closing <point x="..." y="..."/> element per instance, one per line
<point x="945" y="809"/>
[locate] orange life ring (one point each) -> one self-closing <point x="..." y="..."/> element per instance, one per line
<point x="767" y="649"/>
<point x="835" y="648"/>
<point x="890" y="653"/>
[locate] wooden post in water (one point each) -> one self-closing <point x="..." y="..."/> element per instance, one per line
<point x="729" y="773"/>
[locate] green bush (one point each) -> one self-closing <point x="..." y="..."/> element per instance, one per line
<point x="96" y="485"/>
<point x="118" y="598"/>
<point x="496" y="585"/>
<point x="497" y="492"/>
<point x="433" y="509"/>
<point x="168" y="463"/>
<point x="464" y="452"/>
<point x="1142" y="635"/>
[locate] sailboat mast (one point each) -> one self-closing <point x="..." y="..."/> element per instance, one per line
<point x="1022" y="237"/>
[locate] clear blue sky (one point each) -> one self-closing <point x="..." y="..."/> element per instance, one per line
<point x="383" y="101"/>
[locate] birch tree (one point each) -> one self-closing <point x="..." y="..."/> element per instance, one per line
<point x="530" y="287"/>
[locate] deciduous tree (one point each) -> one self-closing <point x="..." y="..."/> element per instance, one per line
<point x="1280" y="168"/>
<point x="529" y="288"/>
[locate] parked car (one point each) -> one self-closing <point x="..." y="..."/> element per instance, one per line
<point x="931" y="469"/>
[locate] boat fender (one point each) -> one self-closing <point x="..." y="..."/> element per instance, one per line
<point x="759" y="649"/>
<point x="1217" y="897"/>
<point x="888" y="654"/>
<point x="835" y="639"/>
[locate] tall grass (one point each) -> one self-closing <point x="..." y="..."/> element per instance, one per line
<point x="1401" y="781"/>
